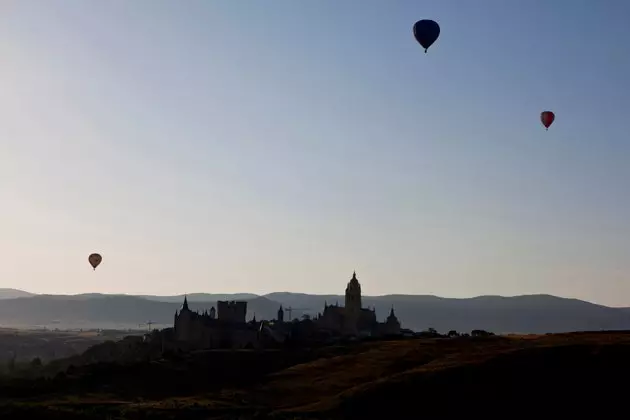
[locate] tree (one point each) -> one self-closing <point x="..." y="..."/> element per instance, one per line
<point x="480" y="333"/>
<point x="453" y="333"/>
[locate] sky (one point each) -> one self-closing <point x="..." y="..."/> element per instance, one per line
<point x="222" y="146"/>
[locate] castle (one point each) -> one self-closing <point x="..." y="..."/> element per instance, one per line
<point x="228" y="328"/>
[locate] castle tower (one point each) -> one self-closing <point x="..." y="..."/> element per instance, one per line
<point x="183" y="321"/>
<point x="392" y="315"/>
<point x="392" y="325"/>
<point x="280" y="314"/>
<point x="353" y="295"/>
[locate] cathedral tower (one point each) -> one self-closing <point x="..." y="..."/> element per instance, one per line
<point x="353" y="295"/>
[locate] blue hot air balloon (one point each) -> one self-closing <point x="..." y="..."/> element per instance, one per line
<point x="426" y="32"/>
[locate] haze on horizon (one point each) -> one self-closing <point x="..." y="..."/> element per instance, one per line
<point x="255" y="147"/>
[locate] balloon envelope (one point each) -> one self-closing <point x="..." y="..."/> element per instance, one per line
<point x="95" y="260"/>
<point x="426" y="32"/>
<point x="547" y="117"/>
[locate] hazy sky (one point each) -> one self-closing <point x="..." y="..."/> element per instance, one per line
<point x="223" y="146"/>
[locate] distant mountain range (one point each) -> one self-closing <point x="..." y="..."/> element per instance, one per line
<point x="519" y="314"/>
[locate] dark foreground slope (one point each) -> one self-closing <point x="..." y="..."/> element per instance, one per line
<point x="550" y="376"/>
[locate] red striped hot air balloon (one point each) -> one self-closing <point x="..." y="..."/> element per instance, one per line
<point x="547" y="117"/>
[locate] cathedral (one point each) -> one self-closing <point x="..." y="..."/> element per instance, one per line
<point x="353" y="319"/>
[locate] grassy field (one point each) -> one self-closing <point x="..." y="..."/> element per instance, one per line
<point x="515" y="376"/>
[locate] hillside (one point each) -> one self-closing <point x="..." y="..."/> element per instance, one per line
<point x="202" y="297"/>
<point x="391" y="380"/>
<point x="13" y="293"/>
<point x="105" y="311"/>
<point x="567" y="373"/>
<point x="519" y="314"/>
<point x="24" y="346"/>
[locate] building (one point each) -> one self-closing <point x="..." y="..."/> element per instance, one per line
<point x="353" y="319"/>
<point x="233" y="312"/>
<point x="206" y="330"/>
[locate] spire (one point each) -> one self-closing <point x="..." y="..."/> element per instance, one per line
<point x="392" y="317"/>
<point x="185" y="307"/>
<point x="354" y="282"/>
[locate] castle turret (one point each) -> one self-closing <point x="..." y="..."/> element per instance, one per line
<point x="185" y="305"/>
<point x="280" y="314"/>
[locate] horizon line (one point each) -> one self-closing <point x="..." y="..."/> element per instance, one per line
<point x="142" y="295"/>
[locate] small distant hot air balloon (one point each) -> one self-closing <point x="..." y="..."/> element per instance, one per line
<point x="547" y="117"/>
<point x="426" y="32"/>
<point x="95" y="260"/>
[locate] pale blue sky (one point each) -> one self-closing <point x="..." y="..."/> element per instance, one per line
<point x="223" y="146"/>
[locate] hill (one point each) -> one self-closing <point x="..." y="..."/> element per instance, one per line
<point x="202" y="297"/>
<point x="105" y="311"/>
<point x="13" y="293"/>
<point x="391" y="380"/>
<point x="518" y="314"/>
<point x="566" y="373"/>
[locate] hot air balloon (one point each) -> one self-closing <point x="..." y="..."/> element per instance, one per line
<point x="95" y="260"/>
<point x="426" y="32"/>
<point x="547" y="118"/>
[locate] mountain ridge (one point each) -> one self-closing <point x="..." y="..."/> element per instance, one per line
<point x="11" y="293"/>
<point x="501" y="314"/>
